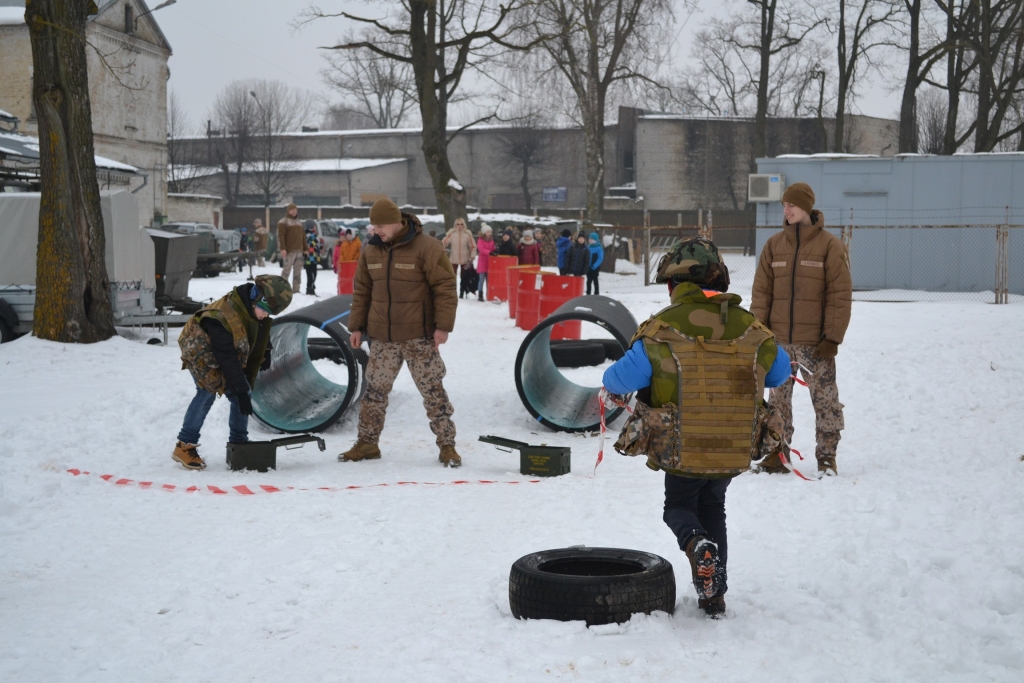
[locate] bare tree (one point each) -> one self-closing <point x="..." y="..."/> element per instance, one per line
<point x="595" y="45"/>
<point x="931" y="121"/>
<point x="854" y="50"/>
<point x="526" y="145"/>
<point x="236" y="114"/>
<point x="72" y="286"/>
<point x="961" y="20"/>
<point x="375" y="87"/>
<point x="998" y="44"/>
<point x="281" y="109"/>
<point x="442" y="40"/>
<point x="183" y="164"/>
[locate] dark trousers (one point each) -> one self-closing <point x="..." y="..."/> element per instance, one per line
<point x="592" y="278"/>
<point x="697" y="507"/>
<point x="311" y="278"/>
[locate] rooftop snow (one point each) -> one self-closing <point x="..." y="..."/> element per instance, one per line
<point x="12" y="16"/>
<point x="26" y="147"/>
<point x="311" y="166"/>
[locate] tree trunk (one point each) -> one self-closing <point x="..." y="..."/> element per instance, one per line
<point x="524" y="183"/>
<point x="761" y="116"/>
<point x="593" y="145"/>
<point x="954" y="67"/>
<point x="72" y="287"/>
<point x="908" y="105"/>
<point x="845" y="72"/>
<point x="451" y="196"/>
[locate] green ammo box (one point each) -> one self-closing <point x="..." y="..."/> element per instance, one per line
<point x="262" y="455"/>
<point x="535" y="461"/>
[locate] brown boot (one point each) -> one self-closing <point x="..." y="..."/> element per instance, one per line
<point x="362" y="450"/>
<point x="713" y="607"/>
<point x="188" y="456"/>
<point x="449" y="458"/>
<point x="704" y="566"/>
<point x="827" y="466"/>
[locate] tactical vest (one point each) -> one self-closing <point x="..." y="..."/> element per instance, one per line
<point x="197" y="354"/>
<point x="709" y="429"/>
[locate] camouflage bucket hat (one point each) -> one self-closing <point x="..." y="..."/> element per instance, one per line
<point x="277" y="293"/>
<point x="694" y="260"/>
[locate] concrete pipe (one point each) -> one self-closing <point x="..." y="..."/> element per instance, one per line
<point x="292" y="396"/>
<point x="551" y="398"/>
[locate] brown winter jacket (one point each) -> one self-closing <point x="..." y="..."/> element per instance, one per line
<point x="802" y="287"/>
<point x="404" y="289"/>
<point x="291" y="236"/>
<point x="261" y="238"/>
<point x="462" y="245"/>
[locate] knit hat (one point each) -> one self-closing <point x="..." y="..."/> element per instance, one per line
<point x="484" y="229"/>
<point x="528" y="233"/>
<point x="385" y="212"/>
<point x="292" y="206"/>
<point x="508" y="231"/>
<point x="566" y="233"/>
<point x="799" y="194"/>
<point x="310" y="225"/>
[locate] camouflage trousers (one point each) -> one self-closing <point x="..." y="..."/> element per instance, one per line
<point x="427" y="370"/>
<point x="293" y="262"/>
<point x="828" y="411"/>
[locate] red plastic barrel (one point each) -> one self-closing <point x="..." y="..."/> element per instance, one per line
<point x="346" y="274"/>
<point x="513" y="285"/>
<point x="528" y="299"/>
<point x="555" y="291"/>
<point x="497" y="276"/>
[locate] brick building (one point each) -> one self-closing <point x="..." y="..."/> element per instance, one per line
<point x="128" y="93"/>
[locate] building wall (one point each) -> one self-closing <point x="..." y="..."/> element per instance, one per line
<point x="128" y="96"/>
<point x="198" y="208"/>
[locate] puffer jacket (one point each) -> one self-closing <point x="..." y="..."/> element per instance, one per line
<point x="803" y="290"/>
<point x="462" y="245"/>
<point x="291" y="236"/>
<point x="484" y="249"/>
<point x="403" y="289"/>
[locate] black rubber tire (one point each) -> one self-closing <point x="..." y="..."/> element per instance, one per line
<point x="612" y="349"/>
<point x="596" y="585"/>
<point x="571" y="353"/>
<point x="324" y="347"/>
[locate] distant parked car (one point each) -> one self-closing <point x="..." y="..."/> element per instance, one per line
<point x="328" y="231"/>
<point x="227" y="240"/>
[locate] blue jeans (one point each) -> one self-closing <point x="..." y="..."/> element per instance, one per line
<point x="483" y="282"/>
<point x="238" y="424"/>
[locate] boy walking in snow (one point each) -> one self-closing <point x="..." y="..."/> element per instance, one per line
<point x="224" y="346"/>
<point x="700" y="367"/>
<point x="404" y="301"/>
<point x="803" y="292"/>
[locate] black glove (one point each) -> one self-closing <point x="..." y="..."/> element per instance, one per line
<point x="265" y="365"/>
<point x="244" y="403"/>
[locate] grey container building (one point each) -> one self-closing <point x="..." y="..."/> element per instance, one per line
<point x="920" y="222"/>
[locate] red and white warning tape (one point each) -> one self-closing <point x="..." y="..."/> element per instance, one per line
<point x="603" y="395"/>
<point x="264" y="488"/>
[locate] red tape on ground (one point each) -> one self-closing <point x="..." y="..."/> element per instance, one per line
<point x="243" y="490"/>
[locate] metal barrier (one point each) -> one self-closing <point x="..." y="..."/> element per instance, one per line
<point x="292" y="395"/>
<point x="548" y="395"/>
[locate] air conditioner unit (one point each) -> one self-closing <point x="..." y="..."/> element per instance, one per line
<point x="766" y="187"/>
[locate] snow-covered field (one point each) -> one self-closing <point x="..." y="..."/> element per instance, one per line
<point x="908" y="566"/>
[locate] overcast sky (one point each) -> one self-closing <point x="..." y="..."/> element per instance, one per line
<point x="218" y="41"/>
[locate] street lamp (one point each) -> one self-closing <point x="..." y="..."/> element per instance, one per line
<point x="707" y="147"/>
<point x="168" y="3"/>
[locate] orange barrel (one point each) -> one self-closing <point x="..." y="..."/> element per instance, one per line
<point x="497" y="276"/>
<point x="513" y="285"/>
<point x="555" y="291"/>
<point x="528" y="299"/>
<point x="346" y="274"/>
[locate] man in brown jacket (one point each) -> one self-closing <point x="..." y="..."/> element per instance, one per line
<point x="261" y="236"/>
<point x="404" y="300"/>
<point x="291" y="241"/>
<point x="803" y="291"/>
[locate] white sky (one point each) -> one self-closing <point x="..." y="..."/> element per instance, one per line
<point x="218" y="41"/>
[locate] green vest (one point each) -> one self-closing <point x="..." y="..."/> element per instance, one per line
<point x="709" y="358"/>
<point x="250" y="338"/>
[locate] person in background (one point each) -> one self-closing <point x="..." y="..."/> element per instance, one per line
<point x="803" y="291"/>
<point x="484" y="248"/>
<point x="529" y="250"/>
<point x="311" y="262"/>
<point x="347" y="249"/>
<point x="462" y="247"/>
<point x="507" y="246"/>
<point x="577" y="259"/>
<point x="261" y="236"/>
<point x="700" y="368"/>
<point x="291" y="242"/>
<point x="244" y="246"/>
<point x="224" y="347"/>
<point x="562" y="246"/>
<point x="596" y="259"/>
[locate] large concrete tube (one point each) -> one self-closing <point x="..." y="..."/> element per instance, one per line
<point x="292" y="396"/>
<point x="550" y="397"/>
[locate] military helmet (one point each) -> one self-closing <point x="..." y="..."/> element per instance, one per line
<point x="272" y="293"/>
<point x="694" y="260"/>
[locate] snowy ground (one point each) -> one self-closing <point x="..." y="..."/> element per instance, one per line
<point x="909" y="566"/>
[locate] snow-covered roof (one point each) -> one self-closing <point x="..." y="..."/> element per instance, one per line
<point x="6" y="115"/>
<point x="12" y="16"/>
<point x="828" y="155"/>
<point x="12" y="13"/>
<point x="190" y="195"/>
<point x="25" y="149"/>
<point x="308" y="166"/>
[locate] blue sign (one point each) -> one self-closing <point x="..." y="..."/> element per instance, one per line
<point x="556" y="194"/>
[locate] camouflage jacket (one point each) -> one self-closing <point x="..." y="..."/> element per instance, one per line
<point x="250" y="339"/>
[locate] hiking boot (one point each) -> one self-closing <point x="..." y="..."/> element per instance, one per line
<point x="479" y="296"/>
<point x="704" y="566"/>
<point x="362" y="450"/>
<point x="449" y="458"/>
<point x="188" y="456"/>
<point x="713" y="607"/>
<point x="827" y="467"/>
<point x="773" y="465"/>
